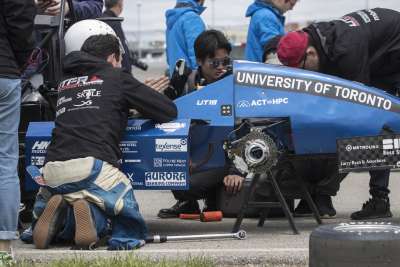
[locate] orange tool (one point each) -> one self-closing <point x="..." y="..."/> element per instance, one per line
<point x="211" y="216"/>
<point x="189" y="216"/>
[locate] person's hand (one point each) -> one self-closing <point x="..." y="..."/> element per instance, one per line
<point x="159" y="84"/>
<point x="233" y="183"/>
<point x="55" y="7"/>
<point x="43" y="4"/>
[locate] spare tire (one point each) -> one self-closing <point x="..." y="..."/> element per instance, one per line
<point x="354" y="244"/>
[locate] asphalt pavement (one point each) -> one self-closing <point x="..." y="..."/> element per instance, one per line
<point x="272" y="245"/>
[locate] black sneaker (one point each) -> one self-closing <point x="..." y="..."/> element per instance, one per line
<point x="374" y="208"/>
<point x="302" y="209"/>
<point x="325" y="206"/>
<point x="187" y="206"/>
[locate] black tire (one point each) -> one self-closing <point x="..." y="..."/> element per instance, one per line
<point x="355" y="244"/>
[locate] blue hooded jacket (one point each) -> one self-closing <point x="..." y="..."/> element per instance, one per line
<point x="184" y="25"/>
<point x="88" y="9"/>
<point x="266" y="22"/>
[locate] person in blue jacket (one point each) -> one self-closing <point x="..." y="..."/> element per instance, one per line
<point x="84" y="9"/>
<point x="267" y="21"/>
<point x="184" y="25"/>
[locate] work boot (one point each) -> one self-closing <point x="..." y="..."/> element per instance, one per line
<point x="85" y="228"/>
<point x="374" y="208"/>
<point x="50" y="221"/>
<point x="302" y="209"/>
<point x="325" y="206"/>
<point x="181" y="206"/>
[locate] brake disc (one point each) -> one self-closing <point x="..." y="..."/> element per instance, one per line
<point x="257" y="150"/>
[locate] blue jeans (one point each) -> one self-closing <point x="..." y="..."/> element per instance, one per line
<point x="10" y="95"/>
<point x="128" y="227"/>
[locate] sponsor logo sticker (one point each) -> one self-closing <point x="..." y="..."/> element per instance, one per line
<point x="361" y="147"/>
<point x="162" y="162"/>
<point x="390" y="144"/>
<point x="165" y="178"/>
<point x="170" y="127"/>
<point x="171" y="145"/>
<point x="207" y="102"/>
<point x="40" y="146"/>
<point x="262" y="102"/>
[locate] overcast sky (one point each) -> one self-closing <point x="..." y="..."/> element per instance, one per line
<point x="231" y="12"/>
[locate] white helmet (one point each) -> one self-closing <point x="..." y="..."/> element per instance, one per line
<point x="79" y="32"/>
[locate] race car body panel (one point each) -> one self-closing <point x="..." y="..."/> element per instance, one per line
<point x="320" y="108"/>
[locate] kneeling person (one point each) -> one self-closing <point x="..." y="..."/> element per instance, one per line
<point x="82" y="163"/>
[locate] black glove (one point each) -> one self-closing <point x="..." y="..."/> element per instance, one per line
<point x="178" y="81"/>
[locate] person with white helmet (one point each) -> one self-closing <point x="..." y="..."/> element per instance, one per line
<point x="84" y="187"/>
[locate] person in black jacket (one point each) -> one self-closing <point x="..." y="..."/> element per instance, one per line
<point x="113" y="10"/>
<point x="16" y="44"/>
<point x="82" y="162"/>
<point x="363" y="46"/>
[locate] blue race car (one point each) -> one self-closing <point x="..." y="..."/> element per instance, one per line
<point x="260" y="116"/>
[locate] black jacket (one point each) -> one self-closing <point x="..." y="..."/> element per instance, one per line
<point x="93" y="106"/>
<point x="363" y="46"/>
<point x="116" y="26"/>
<point x="16" y="39"/>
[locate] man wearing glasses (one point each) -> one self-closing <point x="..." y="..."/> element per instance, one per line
<point x="212" y="51"/>
<point x="363" y="46"/>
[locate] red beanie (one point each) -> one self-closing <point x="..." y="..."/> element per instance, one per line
<point x="292" y="48"/>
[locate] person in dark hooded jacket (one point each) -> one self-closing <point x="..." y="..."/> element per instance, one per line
<point x="184" y="25"/>
<point x="363" y="46"/>
<point x="83" y="158"/>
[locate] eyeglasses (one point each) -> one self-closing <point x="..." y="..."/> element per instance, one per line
<point x="225" y="62"/>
